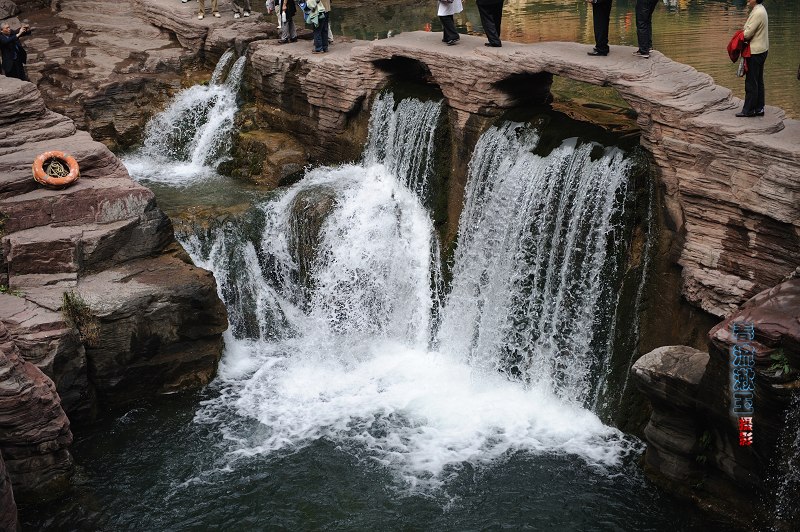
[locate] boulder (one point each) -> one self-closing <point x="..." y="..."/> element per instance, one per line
<point x="8" y="9"/>
<point x="35" y="430"/>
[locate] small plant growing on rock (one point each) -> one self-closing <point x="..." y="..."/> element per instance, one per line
<point x="780" y="363"/>
<point x="6" y="290"/>
<point x="78" y="314"/>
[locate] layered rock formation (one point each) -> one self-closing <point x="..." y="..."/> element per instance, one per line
<point x="8" y="507"/>
<point x="693" y="435"/>
<point x="34" y="430"/>
<point x="98" y="296"/>
<point x="730" y="188"/>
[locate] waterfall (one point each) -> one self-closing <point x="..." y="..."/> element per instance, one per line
<point x="334" y="290"/>
<point x="530" y="284"/>
<point x="401" y="136"/>
<point x="192" y="136"/>
<point x="786" y="471"/>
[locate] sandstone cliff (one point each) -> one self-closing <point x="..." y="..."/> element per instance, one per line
<point x="139" y="318"/>
<point x="693" y="436"/>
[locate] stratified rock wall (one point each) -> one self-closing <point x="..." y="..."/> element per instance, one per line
<point x="34" y="431"/>
<point x="693" y="435"/>
<point x="8" y="508"/>
<point x="730" y="185"/>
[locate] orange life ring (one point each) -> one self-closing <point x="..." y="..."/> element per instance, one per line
<point x="48" y="169"/>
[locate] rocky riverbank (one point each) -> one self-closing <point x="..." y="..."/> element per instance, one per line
<point x="100" y="305"/>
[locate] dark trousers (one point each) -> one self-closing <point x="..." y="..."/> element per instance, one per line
<point x="644" y="23"/>
<point x="449" y="25"/>
<point x="321" y="34"/>
<point x="754" y="84"/>
<point x="491" y="16"/>
<point x="601" y="16"/>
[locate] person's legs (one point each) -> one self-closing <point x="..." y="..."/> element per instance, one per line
<point x="323" y="31"/>
<point x="214" y="7"/>
<point x="601" y="16"/>
<point x="285" y="30"/>
<point x="318" y="37"/>
<point x="487" y="21"/>
<point x="497" y="15"/>
<point x="760" y="102"/>
<point x="201" y="6"/>
<point x="292" y="29"/>
<point x="751" y="86"/>
<point x="449" y="27"/>
<point x="237" y="9"/>
<point x="650" y="8"/>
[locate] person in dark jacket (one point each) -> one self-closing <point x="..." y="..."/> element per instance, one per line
<point x="644" y="26"/>
<point x="13" y="54"/>
<point x="491" y="14"/>
<point x="288" y="29"/>
<point x="601" y="16"/>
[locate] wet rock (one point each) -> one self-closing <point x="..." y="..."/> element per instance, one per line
<point x="8" y="508"/>
<point x="265" y="158"/>
<point x="693" y="435"/>
<point x="309" y="210"/>
<point x="104" y="238"/>
<point x="36" y="431"/>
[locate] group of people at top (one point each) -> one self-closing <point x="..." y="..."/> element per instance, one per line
<point x="756" y="34"/>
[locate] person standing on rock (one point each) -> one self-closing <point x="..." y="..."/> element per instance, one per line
<point x="644" y="26"/>
<point x="491" y="12"/>
<point x="327" y="5"/>
<point x="241" y="8"/>
<point x="202" y="12"/>
<point x="601" y="17"/>
<point x="756" y="32"/>
<point x="318" y="19"/>
<point x="288" y="30"/>
<point x="13" y="54"/>
<point x="446" y="11"/>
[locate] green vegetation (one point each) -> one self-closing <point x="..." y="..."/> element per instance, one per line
<point x="6" y="290"/>
<point x="78" y="314"/>
<point x="780" y="363"/>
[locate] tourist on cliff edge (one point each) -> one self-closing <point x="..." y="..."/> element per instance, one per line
<point x="13" y="54"/>
<point x="241" y="8"/>
<point x="448" y="8"/>
<point x="756" y="32"/>
<point x="644" y="26"/>
<point x="601" y="16"/>
<point x="318" y="18"/>
<point x="202" y="9"/>
<point x="491" y="15"/>
<point x="288" y="30"/>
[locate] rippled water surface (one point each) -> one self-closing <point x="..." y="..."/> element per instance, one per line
<point x="694" y="32"/>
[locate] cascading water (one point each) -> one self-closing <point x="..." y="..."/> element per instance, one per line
<point x="333" y="310"/>
<point x="192" y="136"/>
<point x="530" y="287"/>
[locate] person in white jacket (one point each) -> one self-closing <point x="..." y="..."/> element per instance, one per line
<point x="756" y="32"/>
<point x="446" y="12"/>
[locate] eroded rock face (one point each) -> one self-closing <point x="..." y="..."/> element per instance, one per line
<point x="35" y="430"/>
<point x="77" y="240"/>
<point x="693" y="435"/>
<point x="738" y="215"/>
<point x="8" y="508"/>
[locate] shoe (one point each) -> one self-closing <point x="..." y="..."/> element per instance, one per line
<point x="760" y="113"/>
<point x="217" y="15"/>
<point x="247" y="13"/>
<point x="746" y="115"/>
<point x="640" y="54"/>
<point x="492" y="45"/>
<point x="317" y="52"/>
<point x="293" y="39"/>
<point x="282" y="41"/>
<point x="452" y="42"/>
<point x="596" y="52"/>
<point x="184" y="1"/>
<point x="200" y="16"/>
<point x="236" y="15"/>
